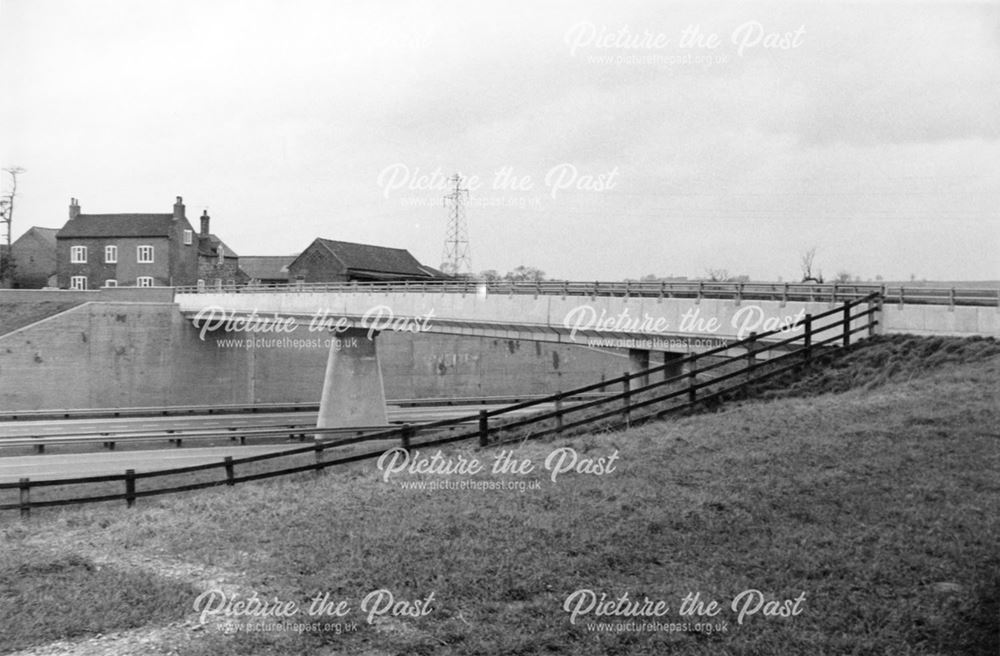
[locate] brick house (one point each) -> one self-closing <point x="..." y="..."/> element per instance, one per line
<point x="141" y="250"/>
<point x="217" y="263"/>
<point x="34" y="255"/>
<point x="326" y="260"/>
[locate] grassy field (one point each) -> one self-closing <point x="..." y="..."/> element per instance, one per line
<point x="877" y="507"/>
<point x="19" y="315"/>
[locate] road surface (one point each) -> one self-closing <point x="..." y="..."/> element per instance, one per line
<point x="100" y="462"/>
<point x="414" y="415"/>
<point x="74" y="465"/>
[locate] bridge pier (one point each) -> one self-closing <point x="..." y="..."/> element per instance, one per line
<point x="353" y="393"/>
<point x="673" y="368"/>
<point x="638" y="360"/>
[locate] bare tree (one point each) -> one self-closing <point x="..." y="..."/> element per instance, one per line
<point x="806" y="262"/>
<point x="522" y="272"/>
<point x="717" y="275"/>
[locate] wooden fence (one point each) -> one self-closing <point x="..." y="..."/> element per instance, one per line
<point x="704" y="378"/>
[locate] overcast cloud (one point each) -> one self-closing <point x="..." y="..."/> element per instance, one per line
<point x="873" y="134"/>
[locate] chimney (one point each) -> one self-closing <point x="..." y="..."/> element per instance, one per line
<point x="74" y="208"/>
<point x="204" y="223"/>
<point x="179" y="209"/>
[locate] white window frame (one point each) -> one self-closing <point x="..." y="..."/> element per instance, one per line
<point x="144" y="281"/>
<point x="78" y="283"/>
<point x="222" y="254"/>
<point x="139" y="250"/>
<point x="110" y="282"/>
<point x="78" y="254"/>
<point x="188" y="237"/>
<point x="111" y="254"/>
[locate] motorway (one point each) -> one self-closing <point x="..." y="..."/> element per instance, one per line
<point x="71" y="465"/>
<point x="100" y="462"/>
<point x="413" y="415"/>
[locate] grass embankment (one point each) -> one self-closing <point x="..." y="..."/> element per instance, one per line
<point x="52" y="596"/>
<point x="880" y="505"/>
<point x="19" y="315"/>
<point x="876" y="361"/>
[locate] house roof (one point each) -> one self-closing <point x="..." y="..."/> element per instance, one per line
<point x="370" y="259"/>
<point x="266" y="267"/>
<point x="209" y="246"/>
<point x="47" y="235"/>
<point x="434" y="273"/>
<point x="118" y="225"/>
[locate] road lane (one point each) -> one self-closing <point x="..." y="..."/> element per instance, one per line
<point x="48" y="467"/>
<point x="395" y="414"/>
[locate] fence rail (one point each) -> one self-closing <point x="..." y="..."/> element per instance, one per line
<point x="703" y="378"/>
<point x="812" y="292"/>
<point x="241" y="408"/>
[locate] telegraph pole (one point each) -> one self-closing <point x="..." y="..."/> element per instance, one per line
<point x="7" y="214"/>
<point x="455" y="260"/>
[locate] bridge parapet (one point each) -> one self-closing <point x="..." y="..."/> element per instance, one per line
<point x="570" y="312"/>
<point x="695" y="289"/>
<point x="658" y="324"/>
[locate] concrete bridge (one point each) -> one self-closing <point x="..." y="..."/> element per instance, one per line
<point x="668" y="318"/>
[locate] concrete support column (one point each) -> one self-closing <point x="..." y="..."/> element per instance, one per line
<point x="353" y="394"/>
<point x="672" y="369"/>
<point x="638" y="360"/>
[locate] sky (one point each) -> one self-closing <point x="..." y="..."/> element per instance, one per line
<point x="598" y="140"/>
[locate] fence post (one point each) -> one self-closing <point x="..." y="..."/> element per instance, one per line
<point x="784" y="295"/>
<point x="129" y="487"/>
<point x="692" y="381"/>
<point x="875" y="317"/>
<point x="320" y="448"/>
<point x="951" y="298"/>
<point x="626" y="402"/>
<point x="229" y="470"/>
<point x="484" y="428"/>
<point x="25" y="498"/>
<point x="807" y="336"/>
<point x="559" y="412"/>
<point x="751" y="356"/>
<point x="405" y="435"/>
<point x="847" y="324"/>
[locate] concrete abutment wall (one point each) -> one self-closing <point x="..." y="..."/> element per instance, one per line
<point x="110" y="354"/>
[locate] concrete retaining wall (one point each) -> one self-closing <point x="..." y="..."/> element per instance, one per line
<point x="143" y="354"/>
<point x="959" y="320"/>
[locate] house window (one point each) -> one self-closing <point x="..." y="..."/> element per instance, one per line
<point x="111" y="282"/>
<point x="78" y="282"/>
<point x="222" y="254"/>
<point x="144" y="281"/>
<point x="188" y="237"/>
<point x="78" y="254"/>
<point x="110" y="254"/>
<point x="144" y="254"/>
